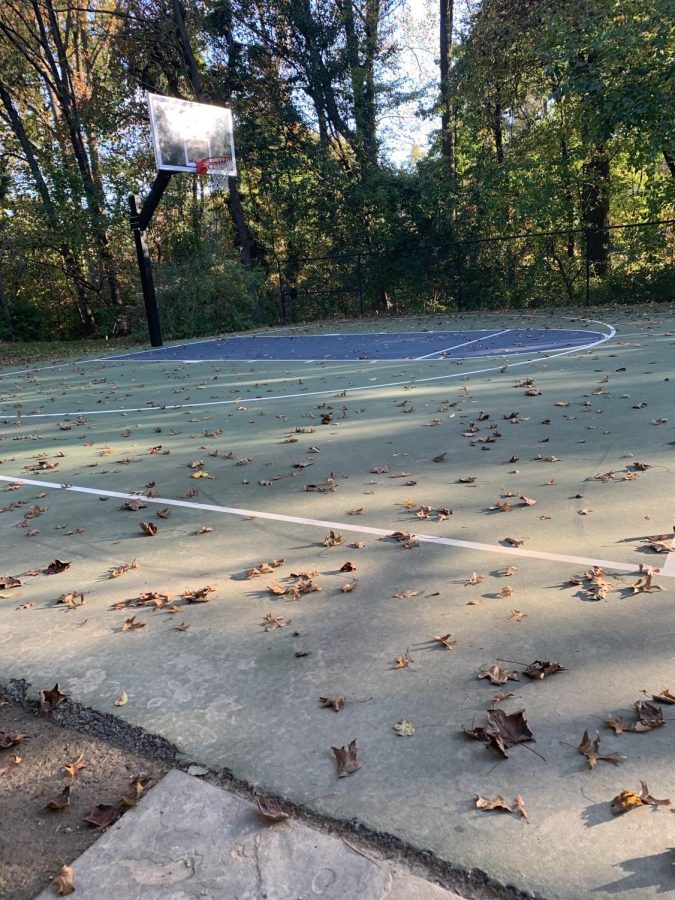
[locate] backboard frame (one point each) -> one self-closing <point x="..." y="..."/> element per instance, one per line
<point x="195" y="146"/>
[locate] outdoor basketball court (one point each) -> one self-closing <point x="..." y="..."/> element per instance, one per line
<point x="352" y="493"/>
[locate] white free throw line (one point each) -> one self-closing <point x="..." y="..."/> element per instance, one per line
<point x="339" y="526"/>
<point x="465" y="344"/>
<point x="322" y="393"/>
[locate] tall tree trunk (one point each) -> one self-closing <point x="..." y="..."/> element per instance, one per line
<point x="71" y="265"/>
<point x="447" y="117"/>
<point x="595" y="194"/>
<point x="361" y="61"/>
<point x="670" y="162"/>
<point x="4" y="309"/>
<point x="497" y="127"/>
<point x="246" y="242"/>
<point x="60" y="74"/>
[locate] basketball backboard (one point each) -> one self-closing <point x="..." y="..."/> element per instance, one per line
<point x="184" y="132"/>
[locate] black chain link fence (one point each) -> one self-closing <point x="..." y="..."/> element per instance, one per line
<point x="618" y="264"/>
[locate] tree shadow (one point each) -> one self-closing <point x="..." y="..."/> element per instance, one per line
<point x="657" y="870"/>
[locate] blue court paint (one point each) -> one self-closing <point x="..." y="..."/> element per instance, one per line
<point x="373" y="346"/>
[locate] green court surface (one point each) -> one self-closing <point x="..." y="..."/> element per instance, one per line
<point x="550" y="464"/>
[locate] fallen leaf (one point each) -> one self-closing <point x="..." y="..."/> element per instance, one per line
<point x="122" y="700"/>
<point x="498" y="698"/>
<point x="520" y="807"/>
<point x="505" y="591"/>
<point x="272" y="622"/>
<point x="102" y="815"/>
<point x="541" y="669"/>
<point x="62" y="801"/>
<point x="502" y="731"/>
<point x="49" y="700"/>
<point x="509" y="570"/>
<point x="269" y="809"/>
<point x="406" y="594"/>
<point x="198" y="595"/>
<point x="8" y="581"/>
<point x="498" y="802"/>
<point x="404" y="728"/>
<point x="348" y="567"/>
<point x="497" y="675"/>
<point x="664" y="697"/>
<point x="515" y="542"/>
<point x="56" y="566"/>
<point x="627" y="800"/>
<point x="333" y="538"/>
<point x="139" y="784"/>
<point x="517" y="615"/>
<point x="348" y="587"/>
<point x="440" y="458"/>
<point x="134" y="505"/>
<point x="347" y="763"/>
<point x="445" y="640"/>
<point x="591" y="750"/>
<point x="62" y="885"/>
<point x="148" y="528"/>
<point x="75" y="766"/>
<point x="10" y="740"/>
<point x="130" y="624"/>
<point x="335" y="703"/>
<point x="474" y="578"/>
<point x="123" y="568"/>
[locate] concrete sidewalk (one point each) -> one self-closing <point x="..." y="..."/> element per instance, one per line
<point x="187" y="840"/>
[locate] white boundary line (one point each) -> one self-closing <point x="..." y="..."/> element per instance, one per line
<point x="321" y="393"/>
<point x="668" y="567"/>
<point x="516" y="552"/>
<point x="465" y="344"/>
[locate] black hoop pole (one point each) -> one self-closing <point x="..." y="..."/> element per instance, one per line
<point x="139" y="219"/>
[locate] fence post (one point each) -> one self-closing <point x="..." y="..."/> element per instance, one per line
<point x="587" y="267"/>
<point x="282" y="294"/>
<point x="459" y="277"/>
<point x="360" y="277"/>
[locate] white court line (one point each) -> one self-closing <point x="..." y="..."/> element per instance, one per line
<point x="321" y="393"/>
<point x="517" y="552"/>
<point x="465" y="344"/>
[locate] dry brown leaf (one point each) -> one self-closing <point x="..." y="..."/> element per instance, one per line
<point x="75" y="766"/>
<point x="518" y="615"/>
<point x="134" y="505"/>
<point x="131" y="624"/>
<point x="445" y="640"/>
<point x="272" y="622"/>
<point x="627" y="800"/>
<point x="664" y="697"/>
<point x="198" y="595"/>
<point x="497" y="674"/>
<point x="148" y="528"/>
<point x="498" y="802"/>
<point x="541" y="669"/>
<point x="505" y="591"/>
<point x="502" y="731"/>
<point x="270" y="810"/>
<point x="335" y="703"/>
<point x="333" y="538"/>
<point x="56" y="566"/>
<point x="514" y="542"/>
<point x="62" y="885"/>
<point x="49" y="700"/>
<point x="348" y="587"/>
<point x="474" y="578"/>
<point x="123" y="568"/>
<point x="62" y="801"/>
<point x="346" y="758"/>
<point x="122" y="700"/>
<point x="102" y="815"/>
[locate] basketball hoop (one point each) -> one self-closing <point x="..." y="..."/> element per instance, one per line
<point x="218" y="168"/>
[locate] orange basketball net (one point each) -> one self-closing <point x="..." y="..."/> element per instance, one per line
<point x="217" y="167"/>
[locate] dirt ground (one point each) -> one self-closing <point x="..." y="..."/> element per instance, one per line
<point x="34" y="840"/>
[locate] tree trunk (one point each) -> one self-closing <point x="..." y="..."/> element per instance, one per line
<point x="670" y="162"/>
<point x="4" y="309"/>
<point x="71" y="266"/>
<point x="361" y="62"/>
<point x="447" y="117"/>
<point x="595" y="193"/>
<point x="497" y="128"/>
